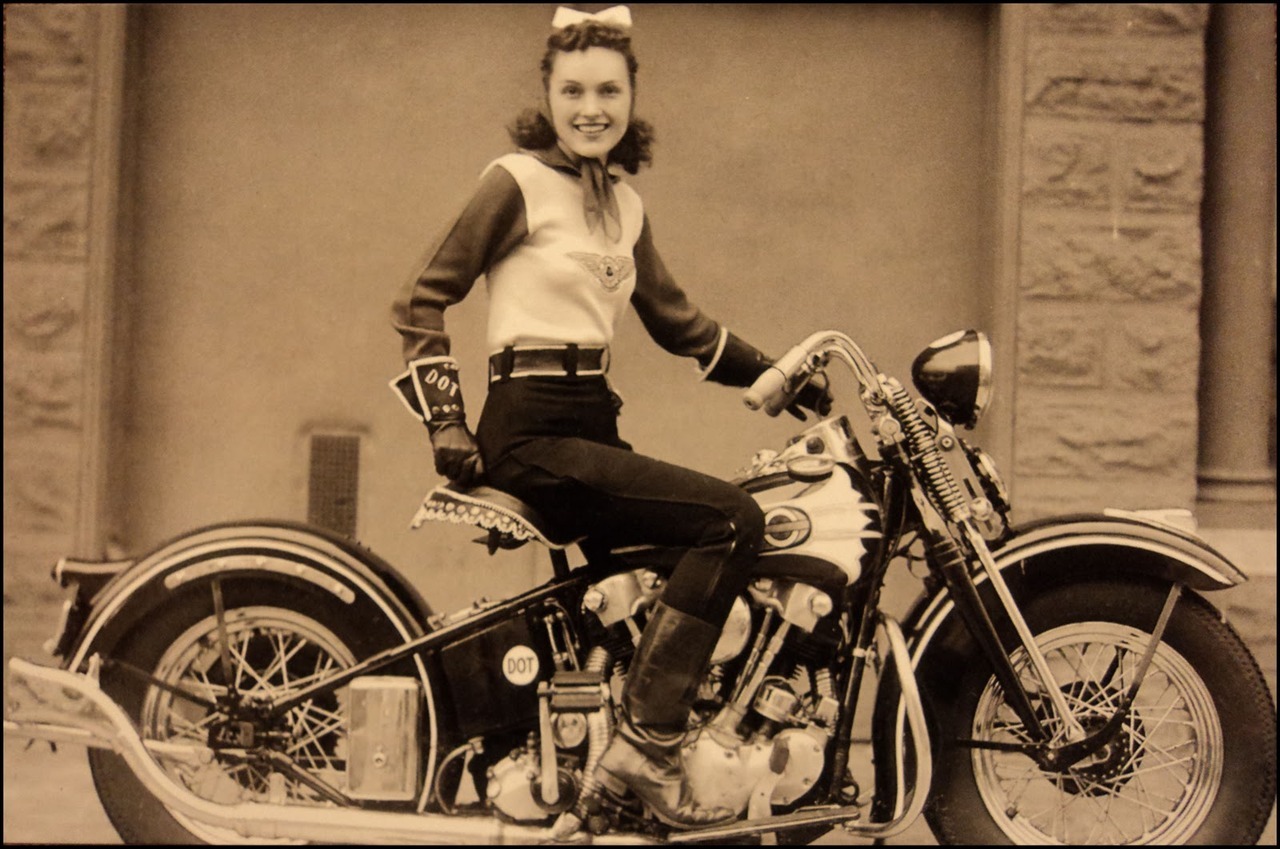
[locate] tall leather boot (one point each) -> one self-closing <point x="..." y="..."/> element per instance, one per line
<point x="662" y="683"/>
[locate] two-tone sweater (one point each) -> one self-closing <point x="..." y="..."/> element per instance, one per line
<point x="552" y="280"/>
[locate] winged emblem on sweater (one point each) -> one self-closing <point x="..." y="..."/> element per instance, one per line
<point x="610" y="271"/>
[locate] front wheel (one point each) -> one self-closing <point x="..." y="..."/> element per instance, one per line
<point x="1194" y="762"/>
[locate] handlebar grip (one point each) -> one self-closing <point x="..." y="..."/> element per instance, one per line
<point x="771" y="389"/>
<point x="766" y="391"/>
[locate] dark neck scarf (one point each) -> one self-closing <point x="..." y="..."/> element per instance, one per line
<point x="599" y="203"/>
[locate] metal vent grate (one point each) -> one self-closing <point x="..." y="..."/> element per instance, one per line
<point x="334" y="482"/>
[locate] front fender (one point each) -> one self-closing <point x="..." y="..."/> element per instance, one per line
<point x="287" y="552"/>
<point x="1087" y="545"/>
<point x="1150" y="546"/>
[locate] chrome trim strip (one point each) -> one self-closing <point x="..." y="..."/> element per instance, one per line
<point x="259" y="563"/>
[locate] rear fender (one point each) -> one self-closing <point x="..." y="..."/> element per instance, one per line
<point x="286" y="552"/>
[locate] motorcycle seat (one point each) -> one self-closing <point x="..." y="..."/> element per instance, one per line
<point x="495" y="511"/>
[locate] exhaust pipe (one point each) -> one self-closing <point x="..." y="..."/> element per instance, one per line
<point x="54" y="704"/>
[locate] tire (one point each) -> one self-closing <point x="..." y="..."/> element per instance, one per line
<point x="1194" y="763"/>
<point x="300" y="631"/>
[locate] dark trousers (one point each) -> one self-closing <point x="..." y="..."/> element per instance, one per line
<point x="553" y="442"/>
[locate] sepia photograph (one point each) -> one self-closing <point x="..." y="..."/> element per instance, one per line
<point x="795" y="423"/>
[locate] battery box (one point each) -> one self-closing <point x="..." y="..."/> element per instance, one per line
<point x="383" y="751"/>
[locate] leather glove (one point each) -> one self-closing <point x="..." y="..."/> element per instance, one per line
<point x="815" y="396"/>
<point x="457" y="454"/>
<point x="429" y="389"/>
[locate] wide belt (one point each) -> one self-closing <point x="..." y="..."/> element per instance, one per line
<point x="548" y="361"/>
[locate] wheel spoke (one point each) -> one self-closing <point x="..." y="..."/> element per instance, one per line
<point x="307" y="734"/>
<point x="245" y="667"/>
<point x="1078" y="666"/>
<point x="240" y="667"/>
<point x="1141" y="782"/>
<point x="1112" y="791"/>
<point x="1134" y="790"/>
<point x="306" y="680"/>
<point x="284" y="653"/>
<point x="202" y="682"/>
<point x="273" y="651"/>
<point x="1164" y="767"/>
<point x="1104" y="680"/>
<point x="1090" y="707"/>
<point x="188" y="729"/>
<point x="1148" y="748"/>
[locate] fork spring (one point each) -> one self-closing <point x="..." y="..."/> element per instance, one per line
<point x="924" y="447"/>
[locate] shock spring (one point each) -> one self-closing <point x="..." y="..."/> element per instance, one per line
<point x="600" y="730"/>
<point x="942" y="486"/>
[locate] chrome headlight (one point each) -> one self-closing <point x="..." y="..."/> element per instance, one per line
<point x="954" y="375"/>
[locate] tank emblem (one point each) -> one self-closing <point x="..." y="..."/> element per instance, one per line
<point x="520" y="665"/>
<point x="786" y="527"/>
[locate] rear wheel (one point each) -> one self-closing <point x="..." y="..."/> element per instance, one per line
<point x="1194" y="762"/>
<point x="279" y="639"/>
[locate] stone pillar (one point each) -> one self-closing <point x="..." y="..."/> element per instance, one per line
<point x="1238" y="309"/>
<point x="1108" y="283"/>
<point x="62" y="83"/>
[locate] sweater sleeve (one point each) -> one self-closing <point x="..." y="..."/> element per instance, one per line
<point x="664" y="309"/>
<point x="490" y="226"/>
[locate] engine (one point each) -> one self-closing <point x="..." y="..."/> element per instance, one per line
<point x="758" y="732"/>
<point x="767" y="706"/>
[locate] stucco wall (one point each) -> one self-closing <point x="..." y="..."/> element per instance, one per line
<point x="1109" y="282"/>
<point x="294" y="165"/>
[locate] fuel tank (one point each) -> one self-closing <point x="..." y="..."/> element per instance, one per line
<point x="817" y="501"/>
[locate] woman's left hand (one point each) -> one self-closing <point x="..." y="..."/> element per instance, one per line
<point x="457" y="455"/>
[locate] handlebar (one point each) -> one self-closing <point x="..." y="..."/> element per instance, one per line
<point x="775" y="389"/>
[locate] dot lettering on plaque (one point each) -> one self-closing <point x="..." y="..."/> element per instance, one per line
<point x="520" y="665"/>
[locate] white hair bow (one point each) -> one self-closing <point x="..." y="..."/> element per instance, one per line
<point x="615" y="16"/>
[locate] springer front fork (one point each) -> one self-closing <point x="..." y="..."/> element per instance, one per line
<point x="953" y="564"/>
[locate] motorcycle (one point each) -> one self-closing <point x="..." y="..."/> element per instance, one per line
<point x="1060" y="681"/>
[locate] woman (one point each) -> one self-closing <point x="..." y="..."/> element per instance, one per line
<point x="565" y="247"/>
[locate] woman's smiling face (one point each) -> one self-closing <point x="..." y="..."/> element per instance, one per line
<point x="589" y="94"/>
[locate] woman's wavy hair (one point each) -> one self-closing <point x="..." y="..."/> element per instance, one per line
<point x="532" y="129"/>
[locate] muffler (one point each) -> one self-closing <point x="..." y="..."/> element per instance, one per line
<point x="53" y="704"/>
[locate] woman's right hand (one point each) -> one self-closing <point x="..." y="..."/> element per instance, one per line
<point x="457" y="454"/>
<point x="815" y="396"/>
